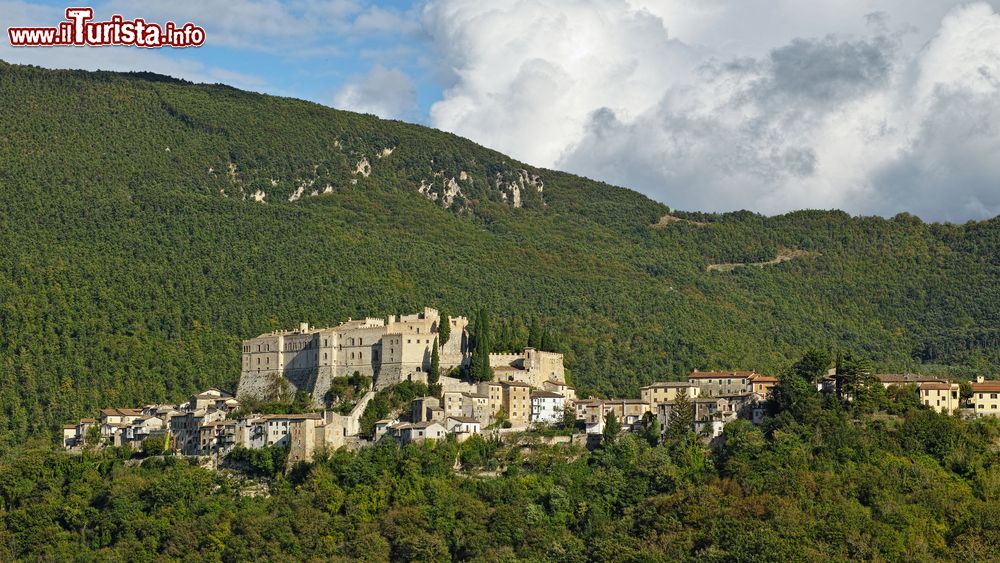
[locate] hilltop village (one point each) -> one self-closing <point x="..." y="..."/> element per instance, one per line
<point x="528" y="391"/>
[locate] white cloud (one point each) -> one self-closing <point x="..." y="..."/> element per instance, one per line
<point x="385" y="92"/>
<point x="874" y="107"/>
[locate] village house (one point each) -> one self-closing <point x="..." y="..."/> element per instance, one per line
<point x="663" y="391"/>
<point x="114" y="421"/>
<point x="763" y="385"/>
<point x="382" y="427"/>
<point x="417" y="432"/>
<point x="561" y="387"/>
<point x="142" y="428"/>
<point x="713" y="383"/>
<point x="426" y="408"/>
<point x="627" y="412"/>
<point x="517" y="402"/>
<point x="943" y="397"/>
<point x="473" y="405"/>
<point x="217" y="437"/>
<point x="211" y="399"/>
<point x="462" y="427"/>
<point x="901" y="379"/>
<point x="77" y="437"/>
<point x="986" y="397"/>
<point x="185" y="429"/>
<point x="547" y="407"/>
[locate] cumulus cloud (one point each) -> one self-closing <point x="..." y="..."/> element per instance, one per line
<point x="387" y="93"/>
<point x="886" y="114"/>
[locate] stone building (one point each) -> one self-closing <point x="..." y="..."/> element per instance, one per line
<point x="388" y="350"/>
<point x="715" y="383"/>
<point x="517" y="402"/>
<point x="663" y="391"/>
<point x="533" y="367"/>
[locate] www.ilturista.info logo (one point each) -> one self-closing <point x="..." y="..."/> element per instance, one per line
<point x="79" y="30"/>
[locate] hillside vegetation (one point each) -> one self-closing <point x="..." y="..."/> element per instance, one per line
<point x="134" y="254"/>
<point x="819" y="481"/>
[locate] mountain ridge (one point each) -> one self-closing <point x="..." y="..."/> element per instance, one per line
<point x="129" y="272"/>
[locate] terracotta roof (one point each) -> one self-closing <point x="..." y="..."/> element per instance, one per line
<point x="121" y="412"/>
<point x="717" y="374"/>
<point x="416" y="425"/>
<point x="934" y="385"/>
<point x="308" y="415"/>
<point x="757" y="378"/>
<point x="87" y="420"/>
<point x="667" y="384"/>
<point x="546" y="395"/>
<point x="986" y="387"/>
<point x="219" y="423"/>
<point x="559" y="383"/>
<point x="514" y="384"/>
<point x="464" y="419"/>
<point x="69" y="427"/>
<point x="907" y="378"/>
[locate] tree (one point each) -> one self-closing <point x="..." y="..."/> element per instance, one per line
<point x="480" y="368"/>
<point x="535" y="333"/>
<point x="434" y="374"/>
<point x="681" y="418"/>
<point x="813" y="365"/>
<point x="569" y="417"/>
<point x="155" y="445"/>
<point x="444" y="329"/>
<point x="611" y="428"/>
<point x="856" y="383"/>
<point x="650" y="428"/>
<point x="93" y="436"/>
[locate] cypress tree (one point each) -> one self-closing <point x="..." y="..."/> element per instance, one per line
<point x="611" y="428"/>
<point x="444" y="329"/>
<point x="434" y="375"/>
<point x="481" y="352"/>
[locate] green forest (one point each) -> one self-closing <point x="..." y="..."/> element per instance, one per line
<point x="133" y="257"/>
<point x="820" y="480"/>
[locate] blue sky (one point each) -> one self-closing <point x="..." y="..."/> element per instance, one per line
<point x="872" y="106"/>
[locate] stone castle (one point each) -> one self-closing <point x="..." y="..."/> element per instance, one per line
<point x="388" y="350"/>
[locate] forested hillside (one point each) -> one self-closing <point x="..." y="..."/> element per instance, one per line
<point x="135" y="252"/>
<point x="819" y="481"/>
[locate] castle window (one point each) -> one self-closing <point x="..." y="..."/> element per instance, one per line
<point x="361" y="342"/>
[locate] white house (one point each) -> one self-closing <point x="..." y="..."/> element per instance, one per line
<point x="463" y="425"/>
<point x="547" y="407"/>
<point x="420" y="431"/>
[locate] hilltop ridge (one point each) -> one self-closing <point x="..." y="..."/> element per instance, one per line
<point x="150" y="224"/>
